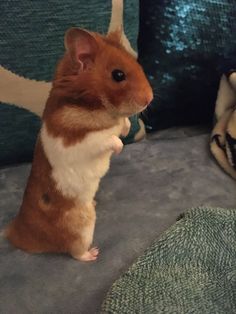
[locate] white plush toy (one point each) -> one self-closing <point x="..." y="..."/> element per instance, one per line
<point x="223" y="139"/>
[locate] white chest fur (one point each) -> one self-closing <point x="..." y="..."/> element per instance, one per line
<point x="77" y="169"/>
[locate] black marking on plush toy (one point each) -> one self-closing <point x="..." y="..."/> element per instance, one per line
<point x="232" y="147"/>
<point x="46" y="198"/>
<point x="217" y="141"/>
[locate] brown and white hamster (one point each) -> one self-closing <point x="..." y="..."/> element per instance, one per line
<point x="97" y="85"/>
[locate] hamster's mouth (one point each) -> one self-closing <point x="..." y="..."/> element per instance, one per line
<point x="142" y="108"/>
<point x="135" y="109"/>
<point x="125" y="109"/>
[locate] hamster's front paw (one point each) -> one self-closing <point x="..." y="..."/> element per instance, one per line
<point x="117" y="145"/>
<point x="126" y="127"/>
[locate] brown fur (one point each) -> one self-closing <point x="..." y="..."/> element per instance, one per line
<point x="48" y="221"/>
<point x="78" y="97"/>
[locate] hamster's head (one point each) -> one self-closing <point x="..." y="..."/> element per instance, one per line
<point x="104" y="74"/>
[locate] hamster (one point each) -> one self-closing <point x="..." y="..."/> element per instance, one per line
<point x="96" y="87"/>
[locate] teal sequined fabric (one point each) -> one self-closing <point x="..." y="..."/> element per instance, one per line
<point x="182" y="46"/>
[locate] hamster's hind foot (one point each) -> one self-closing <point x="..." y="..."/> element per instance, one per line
<point x="88" y="256"/>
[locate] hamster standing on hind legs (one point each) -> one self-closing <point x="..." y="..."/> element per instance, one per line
<point x="97" y="86"/>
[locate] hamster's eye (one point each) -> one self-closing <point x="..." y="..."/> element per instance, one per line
<point x="118" y="75"/>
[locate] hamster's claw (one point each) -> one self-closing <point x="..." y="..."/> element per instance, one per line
<point x="94" y="251"/>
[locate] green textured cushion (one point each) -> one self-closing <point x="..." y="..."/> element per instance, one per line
<point x="190" y="269"/>
<point x="18" y="132"/>
<point x="31" y="42"/>
<point x="183" y="44"/>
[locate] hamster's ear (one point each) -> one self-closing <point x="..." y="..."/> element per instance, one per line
<point x="82" y="47"/>
<point x="115" y="36"/>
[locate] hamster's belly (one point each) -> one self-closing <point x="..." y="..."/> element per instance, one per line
<point x="78" y="169"/>
<point x="81" y="180"/>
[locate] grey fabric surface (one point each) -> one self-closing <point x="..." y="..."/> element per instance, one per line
<point x="147" y="187"/>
